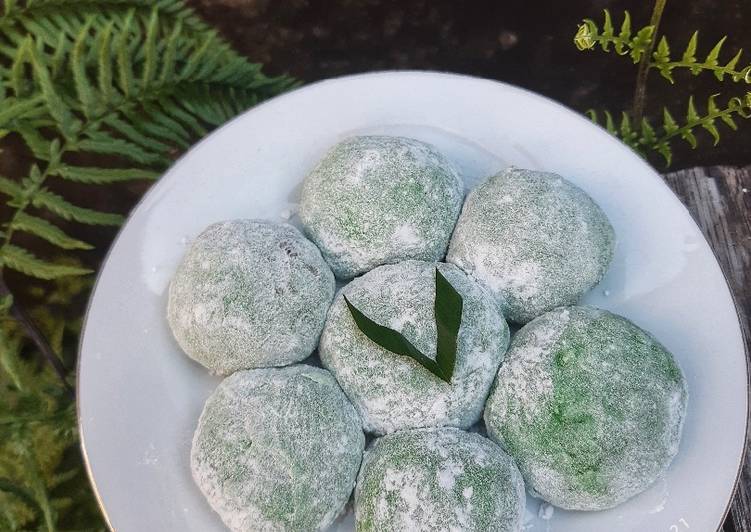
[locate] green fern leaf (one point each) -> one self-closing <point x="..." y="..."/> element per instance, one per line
<point x="610" y="123"/>
<point x="692" y="115"/>
<point x="709" y="125"/>
<point x="57" y="108"/>
<point x="124" y="66"/>
<point x="157" y="129"/>
<point x="648" y="135"/>
<point x="196" y="58"/>
<point x="687" y="134"/>
<point x="44" y="199"/>
<point x="662" y="59"/>
<point x="10" y="188"/>
<point x="641" y="42"/>
<point x="730" y="66"/>
<point x="150" y="53"/>
<point x="158" y="117"/>
<point x="38" y="145"/>
<point x="173" y="107"/>
<point x="86" y="94"/>
<point x="21" y="58"/>
<point x="23" y="261"/>
<point x="102" y="176"/>
<point x="131" y="134"/>
<point x="669" y="124"/>
<point x="712" y="108"/>
<point x="8" y="7"/>
<point x="727" y="115"/>
<point x="689" y="55"/>
<point x="101" y="142"/>
<point x="607" y="31"/>
<point x="44" y="229"/>
<point x="625" y="35"/>
<point x="744" y="75"/>
<point x="627" y="132"/>
<point x="104" y="63"/>
<point x="663" y="148"/>
<point x="168" y="61"/>
<point x="13" y="108"/>
<point x="714" y="54"/>
<point x="57" y="61"/>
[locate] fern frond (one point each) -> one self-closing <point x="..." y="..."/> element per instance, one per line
<point x="23" y="261"/>
<point x="44" y="229"/>
<point x="589" y="36"/>
<point x="665" y="64"/>
<point x="649" y="138"/>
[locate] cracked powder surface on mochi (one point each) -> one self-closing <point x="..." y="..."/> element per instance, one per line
<point x="423" y="480"/>
<point x="536" y="240"/>
<point x="391" y="391"/>
<point x="376" y="200"/>
<point x="590" y="406"/>
<point x="249" y="294"/>
<point x="277" y="449"/>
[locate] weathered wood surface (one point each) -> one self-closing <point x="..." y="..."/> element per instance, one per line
<point x="719" y="199"/>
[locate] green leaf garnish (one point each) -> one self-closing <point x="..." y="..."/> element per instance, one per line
<point x="448" y="309"/>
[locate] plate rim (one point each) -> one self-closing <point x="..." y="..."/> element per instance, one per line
<point x="438" y="74"/>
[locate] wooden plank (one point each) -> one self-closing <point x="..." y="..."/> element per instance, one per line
<point x="719" y="199"/>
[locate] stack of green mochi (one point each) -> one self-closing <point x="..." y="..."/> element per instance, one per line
<point x="581" y="406"/>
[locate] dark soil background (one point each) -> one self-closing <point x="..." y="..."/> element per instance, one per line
<point x="526" y="43"/>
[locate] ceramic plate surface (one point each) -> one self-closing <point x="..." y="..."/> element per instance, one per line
<point x="140" y="396"/>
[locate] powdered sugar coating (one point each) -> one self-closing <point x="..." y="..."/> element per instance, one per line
<point x="589" y="405"/>
<point x="376" y="200"/>
<point x="249" y="294"/>
<point x="438" y="479"/>
<point x="277" y="449"/>
<point x="391" y="391"/>
<point x="536" y="240"/>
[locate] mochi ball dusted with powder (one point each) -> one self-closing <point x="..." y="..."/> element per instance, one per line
<point x="277" y="449"/>
<point x="393" y="392"/>
<point x="378" y="200"/>
<point x="249" y="294"/>
<point x="438" y="479"/>
<point x="536" y="240"/>
<point x="590" y="406"/>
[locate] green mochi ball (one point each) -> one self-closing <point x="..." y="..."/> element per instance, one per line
<point x="536" y="240"/>
<point x="590" y="406"/>
<point x="377" y="200"/>
<point x="249" y="294"/>
<point x="438" y="479"/>
<point x="393" y="392"/>
<point x="277" y="449"/>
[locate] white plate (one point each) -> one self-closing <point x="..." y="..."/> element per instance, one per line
<point x="140" y="397"/>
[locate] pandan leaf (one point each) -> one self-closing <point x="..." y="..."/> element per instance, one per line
<point x="448" y="307"/>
